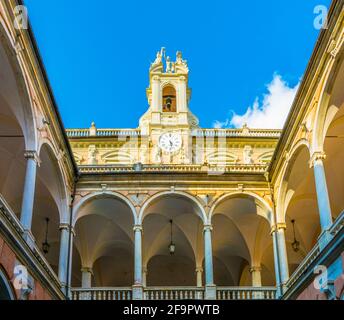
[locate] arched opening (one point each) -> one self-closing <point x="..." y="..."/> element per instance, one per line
<point x="16" y="126"/>
<point x="241" y="241"/>
<point x="300" y="207"/>
<point x="172" y="218"/>
<point x="169" y="99"/>
<point x="49" y="206"/>
<point x="334" y="144"/>
<point x="6" y="291"/>
<point x="104" y="240"/>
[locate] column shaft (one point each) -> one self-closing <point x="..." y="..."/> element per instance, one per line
<point x="63" y="259"/>
<point x="199" y="272"/>
<point x="86" y="280"/>
<point x="29" y="191"/>
<point x="256" y="276"/>
<point x="282" y="255"/>
<point x="138" y="255"/>
<point x="208" y="256"/>
<point x="276" y="259"/>
<point x="322" y="195"/>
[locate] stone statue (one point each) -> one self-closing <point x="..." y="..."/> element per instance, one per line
<point x="158" y="58"/>
<point x="143" y="154"/>
<point x="168" y="65"/>
<point x="247" y="155"/>
<point x="179" y="60"/>
<point x="92" y="155"/>
<point x="157" y="154"/>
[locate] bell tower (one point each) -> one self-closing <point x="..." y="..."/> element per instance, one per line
<point x="168" y="121"/>
<point x="168" y="95"/>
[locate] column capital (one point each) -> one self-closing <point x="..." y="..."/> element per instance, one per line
<point x="207" y="227"/>
<point x="65" y="226"/>
<point x="278" y="226"/>
<point x="31" y="154"/>
<point x="317" y="156"/>
<point x="255" y="269"/>
<point x="137" y="227"/>
<point x="87" y="270"/>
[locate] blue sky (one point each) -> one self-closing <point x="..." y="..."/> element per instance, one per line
<point x="97" y="54"/>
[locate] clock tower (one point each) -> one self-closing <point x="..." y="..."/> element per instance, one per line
<point x="168" y="121"/>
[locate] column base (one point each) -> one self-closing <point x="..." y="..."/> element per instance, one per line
<point x="324" y="238"/>
<point x="210" y="292"/>
<point x="137" y="291"/>
<point x="29" y="239"/>
<point x="66" y="291"/>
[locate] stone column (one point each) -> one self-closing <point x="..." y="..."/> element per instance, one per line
<point x="64" y="254"/>
<point x="199" y="272"/>
<point x="210" y="288"/>
<point x="279" y="229"/>
<point x="322" y="196"/>
<point x="137" y="287"/>
<point x="182" y="97"/>
<point x="86" y="279"/>
<point x="256" y="281"/>
<point x="256" y="276"/>
<point x="29" y="193"/>
<point x="156" y="100"/>
<point x="144" y="276"/>
<point x="276" y="261"/>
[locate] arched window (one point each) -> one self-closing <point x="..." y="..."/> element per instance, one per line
<point x="169" y="99"/>
<point x="6" y="292"/>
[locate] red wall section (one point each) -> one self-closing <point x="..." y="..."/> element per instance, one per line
<point x="7" y="263"/>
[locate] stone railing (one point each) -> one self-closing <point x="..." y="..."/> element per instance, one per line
<point x="254" y="133"/>
<point x="182" y="293"/>
<point x="11" y="224"/>
<point x="211" y="170"/>
<point x="102" y="294"/>
<point x="175" y="293"/>
<point x="246" y="293"/>
<point x="84" y="133"/>
<point x="314" y="253"/>
<point x="301" y="269"/>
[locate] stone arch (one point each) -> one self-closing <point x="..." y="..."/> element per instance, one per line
<point x="263" y="204"/>
<point x="296" y="204"/>
<point x="6" y="290"/>
<point x="15" y="75"/>
<point x="60" y="175"/>
<point x="169" y="97"/>
<point x="325" y="113"/>
<point x="285" y="173"/>
<point x="182" y="194"/>
<point x="241" y="223"/>
<point x="103" y="194"/>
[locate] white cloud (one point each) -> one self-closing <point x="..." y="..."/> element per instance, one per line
<point x="271" y="112"/>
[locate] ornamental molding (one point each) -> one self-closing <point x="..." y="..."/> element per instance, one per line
<point x="255" y="269"/>
<point x="207" y="227"/>
<point x="278" y="226"/>
<point x="317" y="156"/>
<point x="31" y="154"/>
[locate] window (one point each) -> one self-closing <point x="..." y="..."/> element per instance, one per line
<point x="169" y="99"/>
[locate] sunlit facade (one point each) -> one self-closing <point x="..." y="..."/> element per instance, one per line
<point x="170" y="210"/>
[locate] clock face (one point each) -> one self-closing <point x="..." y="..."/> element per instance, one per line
<point x="170" y="142"/>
